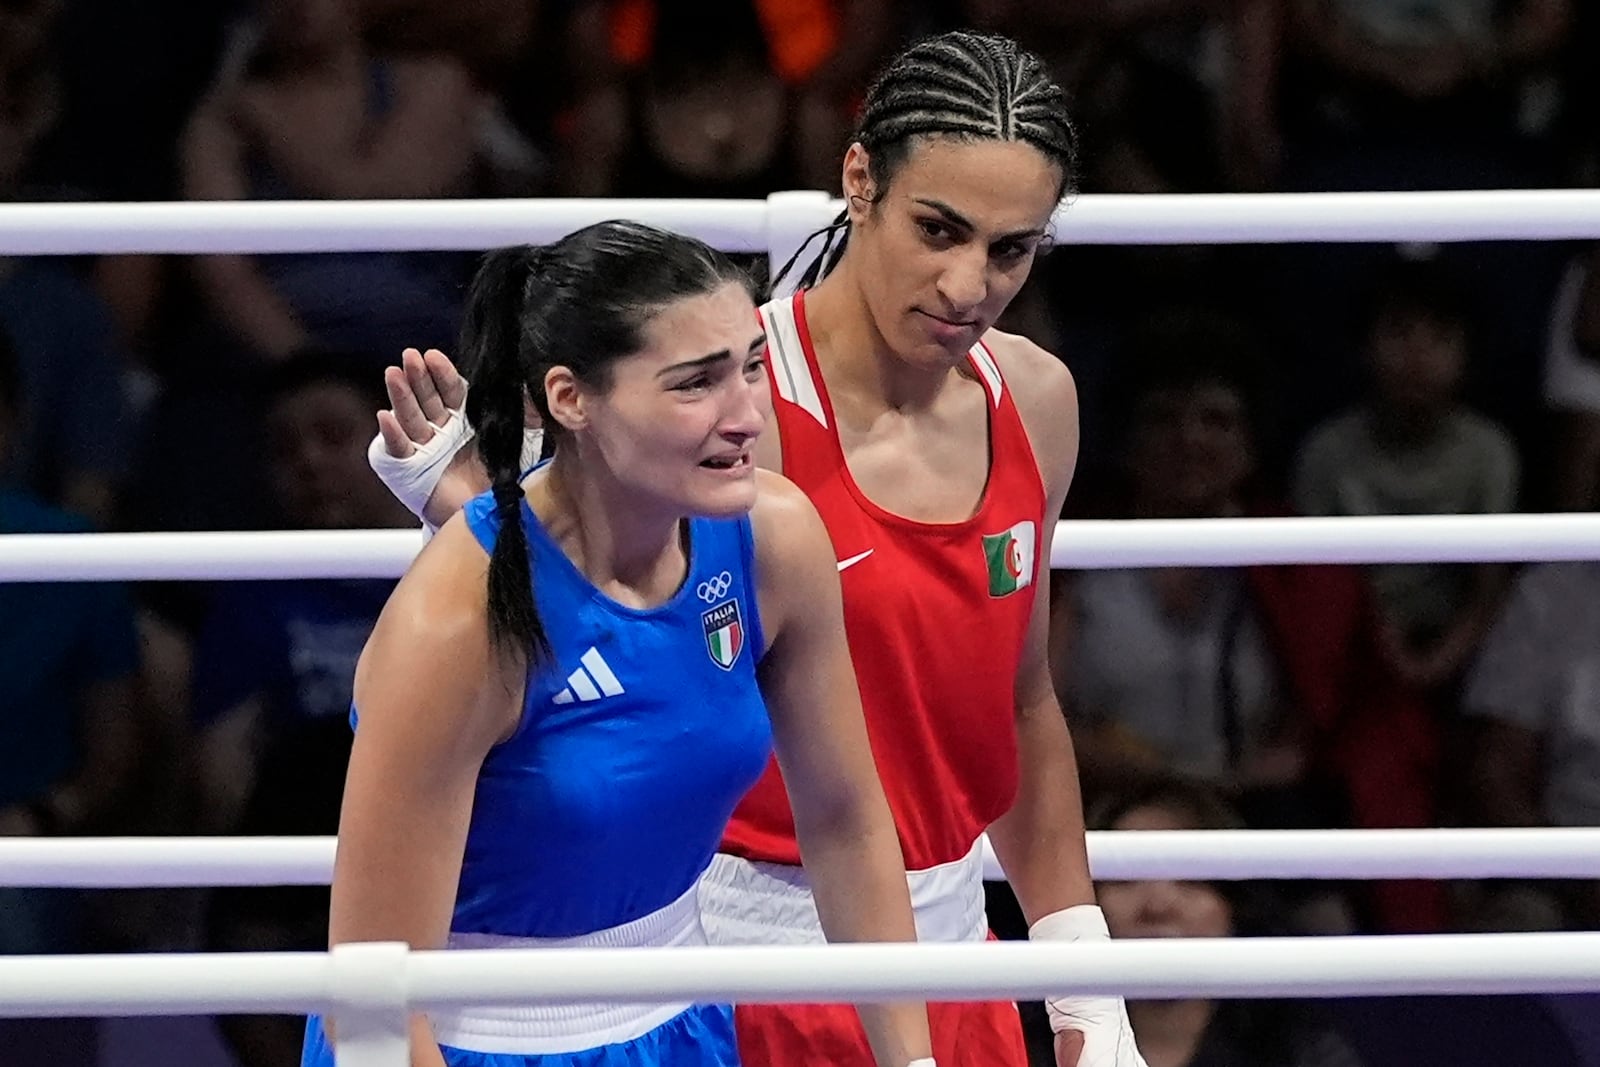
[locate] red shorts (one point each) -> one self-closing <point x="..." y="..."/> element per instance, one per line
<point x="812" y="1035"/>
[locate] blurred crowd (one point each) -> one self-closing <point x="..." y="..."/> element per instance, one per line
<point x="142" y="392"/>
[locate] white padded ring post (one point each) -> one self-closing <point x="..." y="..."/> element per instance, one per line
<point x="370" y="1015"/>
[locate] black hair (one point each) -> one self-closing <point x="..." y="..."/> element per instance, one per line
<point x="1253" y="905"/>
<point x="961" y="84"/>
<point x="1186" y="346"/>
<point x="1277" y="1029"/>
<point x="581" y="303"/>
<point x="1204" y="806"/>
<point x="1419" y="289"/>
<point x="692" y="37"/>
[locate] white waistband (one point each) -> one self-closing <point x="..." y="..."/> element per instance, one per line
<point x="541" y="1029"/>
<point x="745" y="902"/>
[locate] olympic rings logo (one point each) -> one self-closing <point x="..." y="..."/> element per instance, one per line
<point x="714" y="588"/>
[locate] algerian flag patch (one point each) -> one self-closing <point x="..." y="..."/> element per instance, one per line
<point x="1010" y="556"/>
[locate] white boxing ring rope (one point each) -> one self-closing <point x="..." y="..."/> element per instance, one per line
<point x="300" y="982"/>
<point x="1191" y="855"/>
<point x="1078" y="545"/>
<point x="371" y="987"/>
<point x="778" y="224"/>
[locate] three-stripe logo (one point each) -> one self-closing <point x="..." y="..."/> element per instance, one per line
<point x="593" y="681"/>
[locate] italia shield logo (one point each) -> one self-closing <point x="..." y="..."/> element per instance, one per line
<point x="724" y="633"/>
<point x="1011" y="557"/>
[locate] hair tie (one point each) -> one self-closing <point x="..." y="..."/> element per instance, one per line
<point x="508" y="500"/>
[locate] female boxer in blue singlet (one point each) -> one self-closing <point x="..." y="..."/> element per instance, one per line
<point x="558" y="767"/>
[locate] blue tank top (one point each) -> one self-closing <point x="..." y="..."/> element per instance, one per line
<point x="636" y="742"/>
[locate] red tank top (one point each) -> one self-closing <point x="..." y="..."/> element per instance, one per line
<point x="936" y="615"/>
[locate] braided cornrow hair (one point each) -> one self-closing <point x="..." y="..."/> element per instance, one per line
<point x="973" y="86"/>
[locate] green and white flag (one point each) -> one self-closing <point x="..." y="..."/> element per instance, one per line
<point x="1011" y="558"/>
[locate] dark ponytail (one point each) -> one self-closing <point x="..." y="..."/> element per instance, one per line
<point x="581" y="303"/>
<point x="961" y="84"/>
<point x="494" y="343"/>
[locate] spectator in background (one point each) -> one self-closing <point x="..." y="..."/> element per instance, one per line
<point x="716" y="98"/>
<point x="1417" y="95"/>
<point x="1581" y="85"/>
<point x="1572" y="382"/>
<point x="30" y="90"/>
<point x="1176" y="671"/>
<point x="1205" y="1033"/>
<point x="1534" y="692"/>
<point x="487" y="35"/>
<point x="1263" y="682"/>
<point x="69" y="445"/>
<point x="302" y="107"/>
<point x="1413" y="448"/>
<point x="69" y="656"/>
<point x="1183" y="93"/>
<point x="1178" y="95"/>
<point x="1425" y="94"/>
<point x="306" y="110"/>
<point x="274" y="665"/>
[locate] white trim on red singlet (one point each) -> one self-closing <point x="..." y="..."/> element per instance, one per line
<point x="791" y="371"/>
<point x="984" y="362"/>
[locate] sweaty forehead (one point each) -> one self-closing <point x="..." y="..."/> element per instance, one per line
<point x="998" y="186"/>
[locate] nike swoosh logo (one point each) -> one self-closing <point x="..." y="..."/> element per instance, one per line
<point x="853" y="560"/>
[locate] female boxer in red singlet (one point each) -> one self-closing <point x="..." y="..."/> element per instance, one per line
<point x="938" y="451"/>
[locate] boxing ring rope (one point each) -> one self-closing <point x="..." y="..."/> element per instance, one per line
<point x="1081" y="545"/>
<point x="777" y="225"/>
<point x="370" y="988"/>
<point x="297" y="982"/>
<point x="1192" y="855"/>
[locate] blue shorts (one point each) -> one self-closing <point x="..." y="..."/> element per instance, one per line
<point x="699" y="1037"/>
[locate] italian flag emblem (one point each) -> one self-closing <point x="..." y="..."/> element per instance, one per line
<point x="724" y="633"/>
<point x="1010" y="556"/>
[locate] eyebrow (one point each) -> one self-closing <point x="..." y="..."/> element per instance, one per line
<point x="706" y="361"/>
<point x="955" y="218"/>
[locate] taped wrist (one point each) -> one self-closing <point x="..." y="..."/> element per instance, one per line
<point x="412" y="479"/>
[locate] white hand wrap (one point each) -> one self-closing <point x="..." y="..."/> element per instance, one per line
<point x="1103" y="1021"/>
<point x="925" y="1062"/>
<point x="412" y="479"/>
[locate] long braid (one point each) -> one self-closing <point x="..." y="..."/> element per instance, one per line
<point x="494" y="338"/>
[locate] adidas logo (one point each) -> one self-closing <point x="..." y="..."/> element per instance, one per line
<point x="595" y="683"/>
